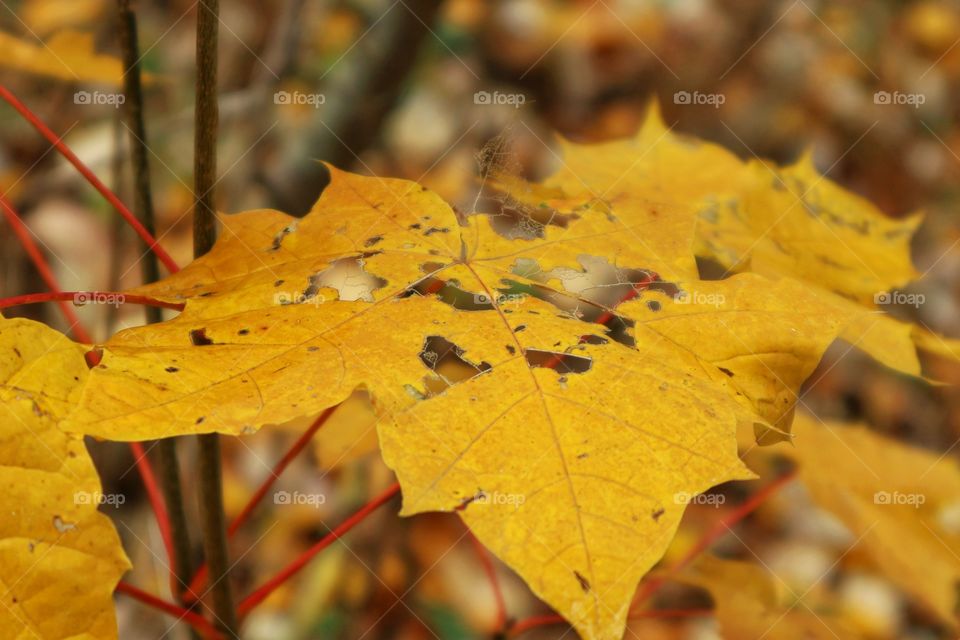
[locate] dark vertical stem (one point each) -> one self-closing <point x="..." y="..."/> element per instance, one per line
<point x="165" y="450"/>
<point x="210" y="487"/>
<point x="206" y="118"/>
<point x="167" y="464"/>
<point x="214" y="531"/>
<point x="133" y="106"/>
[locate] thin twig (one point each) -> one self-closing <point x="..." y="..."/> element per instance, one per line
<point x="199" y="580"/>
<point x="210" y="485"/>
<point x="84" y="297"/>
<point x="36" y="256"/>
<point x="165" y="449"/>
<point x="198" y="622"/>
<point x="486" y="561"/>
<point x="133" y="108"/>
<point x="206" y="116"/>
<point x="90" y="177"/>
<point x="719" y="528"/>
<point x="157" y="500"/>
<point x="260" y="594"/>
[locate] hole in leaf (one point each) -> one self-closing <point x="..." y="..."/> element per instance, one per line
<point x="515" y="220"/>
<point x="449" y="292"/>
<point x="348" y="277"/>
<point x="446" y="359"/>
<point x="560" y="362"/>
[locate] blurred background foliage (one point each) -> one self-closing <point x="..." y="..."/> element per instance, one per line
<point x="398" y="80"/>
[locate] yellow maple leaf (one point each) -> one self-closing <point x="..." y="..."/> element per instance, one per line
<point x="68" y="55"/>
<point x="47" y="16"/>
<point x="348" y="434"/>
<point x="899" y="501"/>
<point x="596" y="392"/>
<point x="750" y="605"/>
<point x="794" y="221"/>
<point x="750" y="216"/>
<point x="60" y="558"/>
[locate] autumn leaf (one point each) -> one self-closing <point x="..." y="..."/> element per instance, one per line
<point x="597" y="390"/>
<point x="46" y="16"/>
<point x="68" y="55"/>
<point x="749" y="604"/>
<point x="750" y="216"/>
<point x="348" y="434"/>
<point x="794" y="221"/>
<point x="60" y="558"/>
<point x="900" y="502"/>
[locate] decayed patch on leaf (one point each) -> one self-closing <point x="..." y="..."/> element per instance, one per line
<point x="60" y="558"/>
<point x="560" y="425"/>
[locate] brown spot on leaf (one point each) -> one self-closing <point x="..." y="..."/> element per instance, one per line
<point x="278" y="239"/>
<point x="480" y="495"/>
<point x="584" y="583"/>
<point x="560" y="362"/>
<point x="199" y="337"/>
